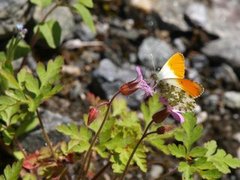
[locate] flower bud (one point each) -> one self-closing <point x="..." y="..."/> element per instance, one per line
<point x="164" y="129"/>
<point x="128" y="88"/>
<point x="160" y="116"/>
<point x="92" y="115"/>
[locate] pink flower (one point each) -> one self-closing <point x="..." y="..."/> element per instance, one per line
<point x="139" y="83"/>
<point x="176" y="114"/>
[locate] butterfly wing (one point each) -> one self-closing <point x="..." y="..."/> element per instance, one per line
<point x="193" y="89"/>
<point x="173" y="68"/>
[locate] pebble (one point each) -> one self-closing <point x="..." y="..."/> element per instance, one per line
<point x="232" y="99"/>
<point x="154" y="52"/>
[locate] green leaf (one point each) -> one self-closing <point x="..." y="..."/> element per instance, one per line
<point x="193" y="131"/>
<point x="12" y="172"/>
<point x="158" y="142"/>
<point x="87" y="3"/>
<point x="32" y="84"/>
<point x="21" y="50"/>
<point x="198" y="152"/>
<point x="41" y="3"/>
<point x="29" y="176"/>
<point x="29" y="123"/>
<point x="7" y="101"/>
<point x="177" y="151"/>
<point x="211" y="147"/>
<point x="140" y="157"/>
<point x="210" y="174"/>
<point x="186" y="170"/>
<point x="51" y="31"/>
<point x="79" y="137"/>
<point x="51" y="74"/>
<point x="202" y="164"/>
<point x="151" y="107"/>
<point x="12" y="82"/>
<point x="86" y="15"/>
<point x="221" y="160"/>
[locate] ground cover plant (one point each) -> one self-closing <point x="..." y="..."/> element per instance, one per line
<point x="111" y="131"/>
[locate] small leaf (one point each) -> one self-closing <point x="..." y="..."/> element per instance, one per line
<point x="51" y="31"/>
<point x="12" y="82"/>
<point x="32" y="84"/>
<point x="211" y="174"/>
<point x="87" y="3"/>
<point x="41" y="3"/>
<point x="221" y="160"/>
<point x="178" y="151"/>
<point x="211" y="147"/>
<point x="198" y="152"/>
<point x="86" y="15"/>
<point x="186" y="170"/>
<point x="21" y="50"/>
<point x="12" y="172"/>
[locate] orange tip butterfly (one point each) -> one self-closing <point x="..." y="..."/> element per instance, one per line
<point x="171" y="84"/>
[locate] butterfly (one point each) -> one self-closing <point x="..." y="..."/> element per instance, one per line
<point x="172" y="84"/>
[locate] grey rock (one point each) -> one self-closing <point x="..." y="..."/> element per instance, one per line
<point x="236" y="136"/>
<point x="110" y="72"/>
<point x="83" y="32"/>
<point x="199" y="62"/>
<point x="232" y="99"/>
<point x="154" y="52"/>
<point x="12" y="12"/>
<point x="226" y="74"/>
<point x="64" y="17"/>
<point x="108" y="78"/>
<point x="172" y="12"/>
<point x="223" y="18"/>
<point x="156" y="171"/>
<point x="223" y="21"/>
<point x="212" y="102"/>
<point x="224" y="50"/>
<point x="196" y="13"/>
<point x="34" y="140"/>
<point x="179" y="44"/>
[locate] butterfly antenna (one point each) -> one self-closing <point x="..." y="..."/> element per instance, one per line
<point x="153" y="63"/>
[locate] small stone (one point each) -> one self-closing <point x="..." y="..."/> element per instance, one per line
<point x="156" y="171"/>
<point x="232" y="99"/>
<point x="199" y="62"/>
<point x="154" y="52"/>
<point x="63" y="16"/>
<point x="202" y="117"/>
<point x="196" y="13"/>
<point x="12" y="12"/>
<point x="236" y="136"/>
<point x="224" y="50"/>
<point x="34" y="140"/>
<point x="83" y="32"/>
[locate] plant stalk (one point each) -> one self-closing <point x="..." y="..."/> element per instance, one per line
<point x="45" y="135"/>
<point x="135" y="149"/>
<point x="82" y="172"/>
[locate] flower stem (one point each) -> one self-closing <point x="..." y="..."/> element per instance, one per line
<point x="82" y="172"/>
<point x="35" y="37"/>
<point x="135" y="149"/>
<point x="45" y="135"/>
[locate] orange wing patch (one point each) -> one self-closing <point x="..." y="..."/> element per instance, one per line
<point x="173" y="68"/>
<point x="176" y="64"/>
<point x="192" y="88"/>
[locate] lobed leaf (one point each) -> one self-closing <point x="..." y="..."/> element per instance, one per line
<point x="177" y="151"/>
<point x="51" y="31"/>
<point x="41" y="3"/>
<point x="86" y="15"/>
<point x="12" y="172"/>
